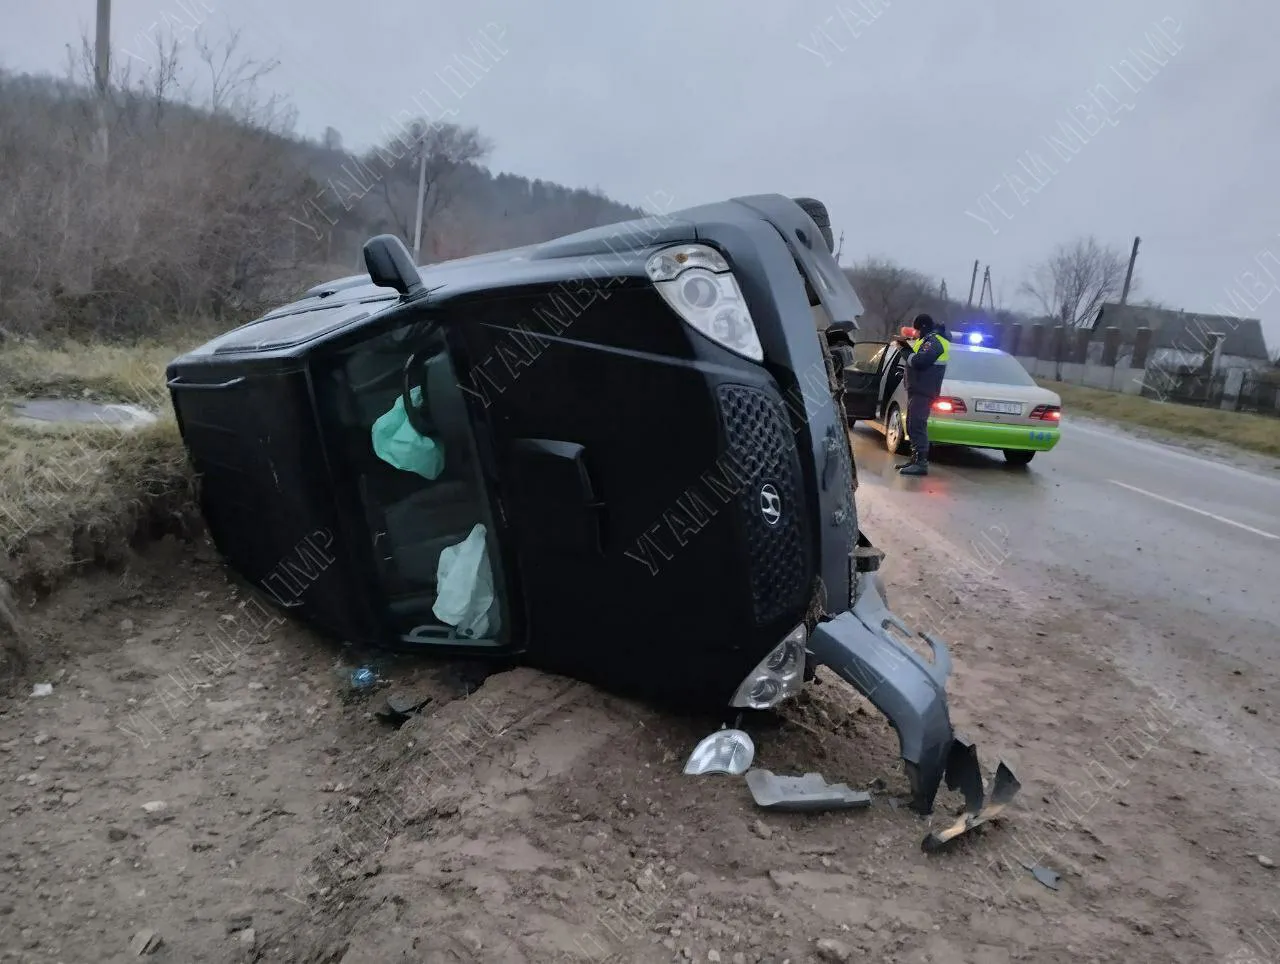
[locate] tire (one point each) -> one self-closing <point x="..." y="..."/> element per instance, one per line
<point x="818" y="212"/>
<point x="1018" y="456"/>
<point x="893" y="431"/>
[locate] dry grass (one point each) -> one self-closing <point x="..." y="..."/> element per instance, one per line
<point x="101" y="372"/>
<point x="1255" y="433"/>
<point x="72" y="496"/>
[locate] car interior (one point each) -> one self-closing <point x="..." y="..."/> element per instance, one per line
<point x="411" y="519"/>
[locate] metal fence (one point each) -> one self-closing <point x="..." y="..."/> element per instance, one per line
<point x="1258" y="391"/>
<point x="1260" y="394"/>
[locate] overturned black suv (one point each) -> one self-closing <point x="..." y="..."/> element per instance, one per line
<point x="620" y="454"/>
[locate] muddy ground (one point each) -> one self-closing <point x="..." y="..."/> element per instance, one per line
<point x="197" y="791"/>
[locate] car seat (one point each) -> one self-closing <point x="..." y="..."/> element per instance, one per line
<point x="434" y="514"/>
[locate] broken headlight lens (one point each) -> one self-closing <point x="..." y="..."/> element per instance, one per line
<point x="779" y="676"/>
<point x="726" y="751"/>
<point x="696" y="281"/>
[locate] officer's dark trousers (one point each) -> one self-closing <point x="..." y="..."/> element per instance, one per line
<point x="918" y="424"/>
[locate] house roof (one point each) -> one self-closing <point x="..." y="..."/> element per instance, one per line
<point x="1183" y="330"/>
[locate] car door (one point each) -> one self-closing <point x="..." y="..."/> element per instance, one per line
<point x="864" y="378"/>
<point x="590" y="472"/>
<point x="414" y="507"/>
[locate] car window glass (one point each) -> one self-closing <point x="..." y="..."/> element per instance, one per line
<point x="867" y="357"/>
<point x="993" y="367"/>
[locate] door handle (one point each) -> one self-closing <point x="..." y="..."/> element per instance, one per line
<point x="203" y="386"/>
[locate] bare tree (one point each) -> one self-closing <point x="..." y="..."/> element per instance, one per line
<point x="188" y="220"/>
<point x="890" y="293"/>
<point x="1072" y="284"/>
<point x="395" y="162"/>
<point x="233" y="83"/>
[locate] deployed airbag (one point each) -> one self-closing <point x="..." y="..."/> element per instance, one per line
<point x="464" y="586"/>
<point x="397" y="443"/>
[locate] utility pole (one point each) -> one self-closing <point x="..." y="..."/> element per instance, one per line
<point x="840" y="248"/>
<point x="1128" y="278"/>
<point x="986" y="290"/>
<point x="943" y="292"/>
<point x="422" y="198"/>
<point x="102" y="73"/>
<point x="973" y="280"/>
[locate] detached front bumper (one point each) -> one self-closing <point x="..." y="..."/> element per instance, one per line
<point x="902" y="685"/>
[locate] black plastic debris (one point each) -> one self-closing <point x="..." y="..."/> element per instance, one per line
<point x="964" y="773"/>
<point x="977" y="811"/>
<point x="1047" y="876"/>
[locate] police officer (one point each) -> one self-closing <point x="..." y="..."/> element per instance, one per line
<point x="926" y="367"/>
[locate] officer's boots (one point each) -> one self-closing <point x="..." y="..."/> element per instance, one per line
<point x="916" y="466"/>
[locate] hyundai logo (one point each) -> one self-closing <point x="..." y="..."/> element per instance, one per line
<point x="770" y="505"/>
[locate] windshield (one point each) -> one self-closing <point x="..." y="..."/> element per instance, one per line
<point x="421" y="493"/>
<point x="993" y="367"/>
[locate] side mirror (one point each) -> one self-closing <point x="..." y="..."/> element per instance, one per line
<point x="390" y="266"/>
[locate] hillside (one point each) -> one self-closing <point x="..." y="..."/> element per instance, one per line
<point x="207" y="206"/>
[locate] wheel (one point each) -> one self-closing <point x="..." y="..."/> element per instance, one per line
<point x="1018" y="456"/>
<point x="893" y="432"/>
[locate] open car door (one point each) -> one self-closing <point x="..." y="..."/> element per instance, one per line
<point x="863" y="379"/>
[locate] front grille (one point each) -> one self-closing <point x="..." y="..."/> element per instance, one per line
<point x="846" y="481"/>
<point x="761" y="446"/>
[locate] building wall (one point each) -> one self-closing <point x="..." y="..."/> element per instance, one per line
<point x="1173" y="358"/>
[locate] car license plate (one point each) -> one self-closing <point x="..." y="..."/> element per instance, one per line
<point x="999" y="408"/>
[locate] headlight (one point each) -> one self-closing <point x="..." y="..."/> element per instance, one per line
<point x="696" y="281"/>
<point x="779" y="676"/>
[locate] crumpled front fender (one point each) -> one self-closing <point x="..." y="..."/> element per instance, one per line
<point x="908" y="689"/>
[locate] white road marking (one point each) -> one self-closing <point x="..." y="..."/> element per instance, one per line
<point x="1192" y="508"/>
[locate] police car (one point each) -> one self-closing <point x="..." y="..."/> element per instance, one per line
<point x="988" y="399"/>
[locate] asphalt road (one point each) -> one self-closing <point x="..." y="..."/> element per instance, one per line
<point x="1183" y="549"/>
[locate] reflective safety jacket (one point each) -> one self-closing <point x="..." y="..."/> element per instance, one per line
<point x="927" y="365"/>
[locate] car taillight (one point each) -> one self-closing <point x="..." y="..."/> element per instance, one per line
<point x="1047" y="413"/>
<point x="949" y="406"/>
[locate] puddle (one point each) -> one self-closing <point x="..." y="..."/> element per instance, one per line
<point x="55" y="411"/>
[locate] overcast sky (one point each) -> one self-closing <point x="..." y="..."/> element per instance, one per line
<point x="925" y="125"/>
